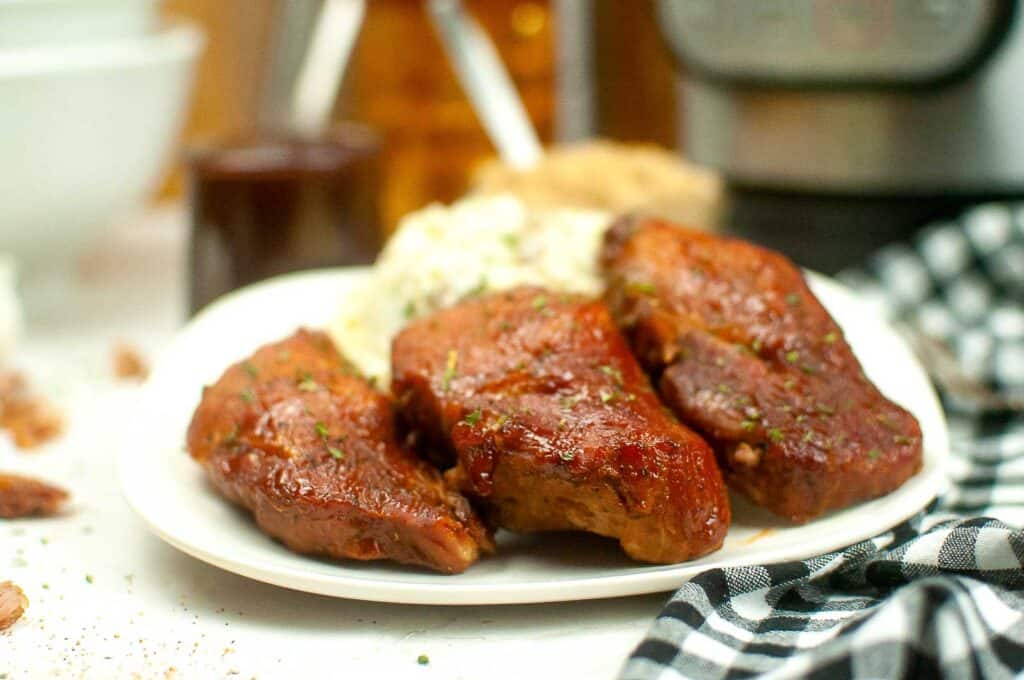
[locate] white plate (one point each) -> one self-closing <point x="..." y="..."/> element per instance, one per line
<point x="167" y="489"/>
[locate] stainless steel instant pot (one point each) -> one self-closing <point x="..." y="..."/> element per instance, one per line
<point x="843" y="124"/>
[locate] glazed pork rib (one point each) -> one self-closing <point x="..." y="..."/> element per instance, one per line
<point x="746" y="355"/>
<point x="554" y="426"/>
<point x="309" y="447"/>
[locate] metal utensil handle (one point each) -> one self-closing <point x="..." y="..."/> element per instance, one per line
<point x="487" y="83"/>
<point x="324" y="65"/>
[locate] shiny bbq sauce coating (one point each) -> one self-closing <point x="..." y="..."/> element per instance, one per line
<point x="553" y="425"/>
<point x="745" y="354"/>
<point x="309" y="447"/>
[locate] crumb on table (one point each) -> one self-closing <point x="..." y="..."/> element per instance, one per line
<point x="12" y="604"/>
<point x="31" y="419"/>
<point x="129" y="363"/>
<point x="25" y="497"/>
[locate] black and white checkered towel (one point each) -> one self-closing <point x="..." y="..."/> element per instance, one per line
<point x="941" y="595"/>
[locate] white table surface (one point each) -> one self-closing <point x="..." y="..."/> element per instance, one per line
<point x="109" y="600"/>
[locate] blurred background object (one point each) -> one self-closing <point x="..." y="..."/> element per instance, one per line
<point x="634" y="81"/>
<point x="11" y="313"/>
<point x="433" y="138"/>
<point x="276" y="204"/>
<point x="28" y="23"/>
<point x="88" y="127"/>
<point x="486" y="83"/>
<point x="612" y="177"/>
<point x="841" y="126"/>
<point x="293" y="192"/>
<point x="582" y="68"/>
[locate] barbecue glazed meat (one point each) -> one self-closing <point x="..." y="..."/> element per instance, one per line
<point x="554" y="426"/>
<point x="748" y="357"/>
<point x="27" y="497"/>
<point x="309" y="447"/>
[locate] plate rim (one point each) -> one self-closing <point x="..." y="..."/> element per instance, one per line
<point x="647" y="579"/>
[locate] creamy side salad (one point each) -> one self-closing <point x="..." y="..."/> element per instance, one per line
<point x="442" y="254"/>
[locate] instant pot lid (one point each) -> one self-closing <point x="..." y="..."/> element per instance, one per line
<point x="835" y="44"/>
<point x="825" y="96"/>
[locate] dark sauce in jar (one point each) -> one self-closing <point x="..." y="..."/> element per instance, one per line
<point x="281" y="204"/>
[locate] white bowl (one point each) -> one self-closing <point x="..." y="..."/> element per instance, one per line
<point x="50" y="22"/>
<point x="25" y="23"/>
<point x="85" y="131"/>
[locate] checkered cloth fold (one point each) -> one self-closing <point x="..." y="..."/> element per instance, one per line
<point x="940" y="595"/>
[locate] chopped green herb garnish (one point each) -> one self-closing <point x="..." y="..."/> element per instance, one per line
<point x="566" y="455"/>
<point x="563" y="423"/>
<point x="606" y="396"/>
<point x="479" y="288"/>
<point x="775" y="434"/>
<point x="642" y="287"/>
<point x="409" y="310"/>
<point x="321" y="429"/>
<point x="808" y="436"/>
<point x="335" y="453"/>
<point x="250" y="369"/>
<point x="807" y="368"/>
<point x="304" y="381"/>
<point x="423" y="659"/>
<point x="247" y="395"/>
<point x="825" y="409"/>
<point x="568" y="402"/>
<point x="901" y="439"/>
<point x="89" y="579"/>
<point x="756" y="345"/>
<point x="474" y="417"/>
<point x="830" y="338"/>
<point x="723" y="388"/>
<point x="792" y="356"/>
<point x="510" y="240"/>
<point x="752" y="412"/>
<point x="748" y="425"/>
<point x="612" y="372"/>
<point x="506" y="325"/>
<point x="789" y="384"/>
<point x="540" y="302"/>
<point x="793" y="299"/>
<point x="873" y="454"/>
<point x="449" y="369"/>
